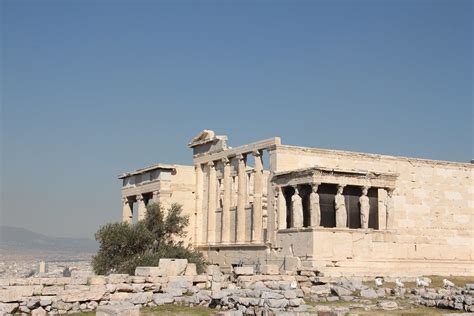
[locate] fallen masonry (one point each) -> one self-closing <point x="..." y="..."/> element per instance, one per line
<point x="239" y="292"/>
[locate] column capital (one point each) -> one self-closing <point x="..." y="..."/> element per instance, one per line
<point x="296" y="189"/>
<point x="125" y="200"/>
<point x="315" y="185"/>
<point x="139" y="197"/>
<point x="156" y="193"/>
<point x="256" y="153"/>
<point x="240" y="157"/>
<point x="226" y="161"/>
<point x="211" y="164"/>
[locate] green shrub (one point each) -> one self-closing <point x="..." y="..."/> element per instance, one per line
<point x="123" y="246"/>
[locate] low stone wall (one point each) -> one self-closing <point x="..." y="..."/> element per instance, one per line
<point x="176" y="282"/>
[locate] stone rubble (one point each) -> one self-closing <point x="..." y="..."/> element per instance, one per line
<point x="241" y="292"/>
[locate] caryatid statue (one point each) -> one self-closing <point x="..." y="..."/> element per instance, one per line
<point x="340" y="206"/>
<point x="389" y="208"/>
<point x="297" y="207"/>
<point x="364" y="208"/>
<point x="314" y="204"/>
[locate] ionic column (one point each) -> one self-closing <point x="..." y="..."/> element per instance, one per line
<point x="257" y="214"/>
<point x="127" y="213"/>
<point x="389" y="208"/>
<point x="297" y="206"/>
<point x="241" y="198"/>
<point x="315" y="209"/>
<point x="212" y="204"/>
<point x="141" y="207"/>
<point x="226" y="201"/>
<point x="198" y="205"/>
<point x="281" y="207"/>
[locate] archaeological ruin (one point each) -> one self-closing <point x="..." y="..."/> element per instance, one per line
<point x="345" y="213"/>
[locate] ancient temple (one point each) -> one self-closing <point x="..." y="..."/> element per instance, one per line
<point x="345" y="213"/>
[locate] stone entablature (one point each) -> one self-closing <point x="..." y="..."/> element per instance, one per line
<point x="335" y="176"/>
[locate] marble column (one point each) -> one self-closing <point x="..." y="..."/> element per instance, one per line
<point x="198" y="205"/>
<point x="389" y="208"/>
<point x="297" y="207"/>
<point x="257" y="214"/>
<point x="364" y="208"/>
<point x="127" y="212"/>
<point x="315" y="210"/>
<point x="141" y="207"/>
<point x="212" y="204"/>
<point x="241" y="198"/>
<point x="226" y="201"/>
<point x="281" y="207"/>
<point x="340" y="208"/>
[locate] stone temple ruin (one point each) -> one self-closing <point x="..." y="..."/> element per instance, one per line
<point x="345" y="213"/>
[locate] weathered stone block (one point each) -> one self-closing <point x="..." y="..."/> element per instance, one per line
<point x="16" y="293"/>
<point x="387" y="305"/>
<point x="82" y="296"/>
<point x="368" y="293"/>
<point x="148" y="271"/>
<point x="173" y="267"/>
<point x="271" y="269"/>
<point x="118" y="310"/>
<point x="190" y="269"/>
<point x="52" y="290"/>
<point x="38" y="312"/>
<point x="272" y="295"/>
<point x="116" y="278"/>
<point x="141" y="298"/>
<point x="97" y="280"/>
<point x="243" y="271"/>
<point x="8" y="308"/>
<point x="276" y="303"/>
<point x="162" y="298"/>
<point x="340" y="291"/>
<point x="324" y="289"/>
<point x="120" y="296"/>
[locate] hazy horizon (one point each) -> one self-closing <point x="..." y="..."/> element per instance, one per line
<point x="92" y="89"/>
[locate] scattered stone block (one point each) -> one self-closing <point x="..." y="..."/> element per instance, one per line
<point x="141" y="298"/>
<point x="368" y="293"/>
<point x="82" y="296"/>
<point x="148" y="271"/>
<point x="38" y="312"/>
<point x="387" y="305"/>
<point x="270" y="269"/>
<point x="118" y="310"/>
<point x="8" y="308"/>
<point x="243" y="271"/>
<point x="120" y="296"/>
<point x="162" y="298"/>
<point x="190" y="269"/>
<point x="97" y="280"/>
<point x="173" y="267"/>
<point x="118" y="278"/>
<point x="16" y="293"/>
<point x="324" y="289"/>
<point x="340" y="291"/>
<point x="276" y="303"/>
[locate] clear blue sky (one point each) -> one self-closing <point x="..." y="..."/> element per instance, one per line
<point x="94" y="88"/>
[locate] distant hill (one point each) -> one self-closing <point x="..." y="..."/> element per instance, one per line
<point x="20" y="239"/>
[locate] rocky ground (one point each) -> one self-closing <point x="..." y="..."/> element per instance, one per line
<point x="242" y="292"/>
